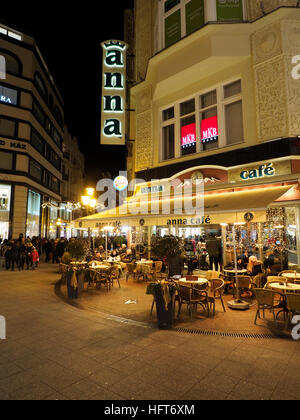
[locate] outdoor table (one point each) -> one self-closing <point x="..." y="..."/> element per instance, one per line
<point x="233" y="272"/>
<point x="284" y="288"/>
<point x="200" y="282"/>
<point x="145" y="263"/>
<point x="100" y="267"/>
<point x="291" y="276"/>
<point x="79" y="263"/>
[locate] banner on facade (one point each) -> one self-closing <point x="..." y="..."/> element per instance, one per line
<point x="228" y="10"/>
<point x="194" y="12"/>
<point x="173" y="28"/>
<point x="113" y="125"/>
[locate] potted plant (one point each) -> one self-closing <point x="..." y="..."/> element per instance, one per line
<point x="78" y="249"/>
<point x="164" y="293"/>
<point x="171" y="249"/>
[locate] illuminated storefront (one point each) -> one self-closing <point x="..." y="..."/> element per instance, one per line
<point x="33" y="214"/>
<point x="5" y="206"/>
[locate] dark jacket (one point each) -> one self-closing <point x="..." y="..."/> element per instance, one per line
<point x="213" y="247"/>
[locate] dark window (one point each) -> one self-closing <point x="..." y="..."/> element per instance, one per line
<point x="58" y="116"/>
<point x="55" y="184"/>
<point x="232" y="89"/>
<point x="13" y="66"/>
<point x="39" y="114"/>
<point x="37" y="141"/>
<point x="168" y="114"/>
<point x="40" y="86"/>
<point x="55" y="160"/>
<point x="169" y="4"/>
<point x="56" y="137"/>
<point x="168" y="142"/>
<point x="6" y="160"/>
<point x="7" y="127"/>
<point x="187" y="107"/>
<point x="35" y="170"/>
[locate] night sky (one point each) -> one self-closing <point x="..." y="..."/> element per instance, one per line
<point x="69" y="39"/>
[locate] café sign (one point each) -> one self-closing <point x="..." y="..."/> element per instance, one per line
<point x="114" y="93"/>
<point x="258" y="172"/>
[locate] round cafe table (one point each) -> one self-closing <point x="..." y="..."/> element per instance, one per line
<point x="200" y="282"/>
<point x="291" y="276"/>
<point x="232" y="272"/>
<point x="284" y="288"/>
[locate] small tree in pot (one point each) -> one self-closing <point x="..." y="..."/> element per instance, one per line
<point x="78" y="249"/>
<point x="171" y="249"/>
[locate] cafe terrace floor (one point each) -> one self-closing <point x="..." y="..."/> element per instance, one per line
<point x="231" y="323"/>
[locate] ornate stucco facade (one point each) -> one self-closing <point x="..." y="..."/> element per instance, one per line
<point x="258" y="50"/>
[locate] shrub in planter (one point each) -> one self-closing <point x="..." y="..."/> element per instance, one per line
<point x="66" y="258"/>
<point x="170" y="248"/>
<point x="78" y="249"/>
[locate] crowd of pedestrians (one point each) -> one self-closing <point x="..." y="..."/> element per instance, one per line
<point x="25" y="253"/>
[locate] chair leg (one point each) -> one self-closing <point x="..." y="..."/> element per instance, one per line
<point x="257" y="313"/>
<point x="222" y="303"/>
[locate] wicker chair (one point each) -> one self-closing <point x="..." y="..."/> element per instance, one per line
<point x="144" y="272"/>
<point x="156" y="271"/>
<point x="192" y="297"/>
<point x="273" y="279"/>
<point x="244" y="284"/>
<point x="216" y="290"/>
<point x="99" y="277"/>
<point x="212" y="275"/>
<point x="114" y="274"/>
<point x="265" y="300"/>
<point x="131" y="271"/>
<point x="293" y="306"/>
<point x="286" y="272"/>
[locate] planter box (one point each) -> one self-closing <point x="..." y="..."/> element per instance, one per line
<point x="164" y="318"/>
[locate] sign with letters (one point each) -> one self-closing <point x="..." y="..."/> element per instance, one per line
<point x="258" y="172"/>
<point x="113" y="126"/>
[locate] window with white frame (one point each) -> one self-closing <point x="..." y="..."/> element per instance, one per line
<point x="180" y="18"/>
<point x="210" y="120"/>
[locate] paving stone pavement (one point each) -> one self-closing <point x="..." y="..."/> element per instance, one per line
<point x="55" y="351"/>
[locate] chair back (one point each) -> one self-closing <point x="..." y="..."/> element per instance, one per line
<point x="243" y="282"/>
<point x="212" y="274"/>
<point x="145" y="269"/>
<point x="257" y="280"/>
<point x="286" y="272"/>
<point x="158" y="266"/>
<point x="273" y="279"/>
<point x="216" y="285"/>
<point x="293" y="302"/>
<point x="130" y="267"/>
<point x="264" y="296"/>
<point x="185" y="292"/>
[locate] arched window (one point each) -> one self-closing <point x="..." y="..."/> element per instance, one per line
<point x="41" y="87"/>
<point x="13" y="64"/>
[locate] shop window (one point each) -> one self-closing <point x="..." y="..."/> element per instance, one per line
<point x="33" y="214"/>
<point x="35" y="170"/>
<point x="6" y="160"/>
<point x="8" y="96"/>
<point x="5" y="204"/>
<point x="7" y="127"/>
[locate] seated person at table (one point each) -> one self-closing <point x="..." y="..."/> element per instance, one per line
<point x="97" y="256"/>
<point x="254" y="266"/>
<point x="245" y="257"/>
<point x="240" y="263"/>
<point x="115" y="256"/>
<point x="122" y="250"/>
<point x="128" y="257"/>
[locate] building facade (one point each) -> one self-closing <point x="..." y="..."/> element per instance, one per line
<point x="216" y="101"/>
<point x="217" y="89"/>
<point x="32" y="139"/>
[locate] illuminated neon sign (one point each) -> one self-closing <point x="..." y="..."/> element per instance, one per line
<point x="114" y="93"/>
<point x="209" y="130"/>
<point x="188" y="135"/>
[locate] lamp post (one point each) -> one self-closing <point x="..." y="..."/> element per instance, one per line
<point x="106" y="230"/>
<point x="90" y="203"/>
<point x="237" y="303"/>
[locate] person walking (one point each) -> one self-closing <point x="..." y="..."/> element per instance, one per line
<point x="35" y="258"/>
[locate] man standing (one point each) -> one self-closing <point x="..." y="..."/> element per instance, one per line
<point x="214" y="249"/>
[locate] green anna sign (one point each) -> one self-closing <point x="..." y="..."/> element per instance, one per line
<point x="228" y="10"/>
